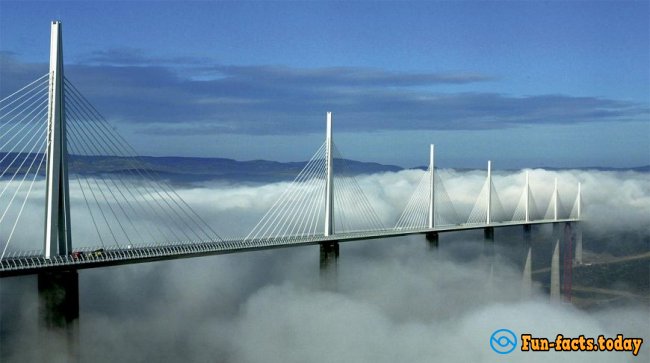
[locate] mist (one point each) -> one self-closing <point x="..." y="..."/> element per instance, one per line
<point x="394" y="300"/>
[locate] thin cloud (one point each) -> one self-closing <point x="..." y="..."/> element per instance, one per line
<point x="151" y="94"/>
<point x="127" y="56"/>
<point x="346" y="76"/>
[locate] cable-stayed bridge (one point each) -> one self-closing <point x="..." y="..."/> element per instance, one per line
<point x="60" y="152"/>
<point x="105" y="206"/>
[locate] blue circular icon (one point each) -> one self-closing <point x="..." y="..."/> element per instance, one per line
<point x="503" y="341"/>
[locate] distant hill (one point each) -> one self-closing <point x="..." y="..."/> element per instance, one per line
<point x="192" y="169"/>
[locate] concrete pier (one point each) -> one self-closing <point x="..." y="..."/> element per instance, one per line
<point x="58" y="295"/>
<point x="528" y="231"/>
<point x="58" y="310"/>
<point x="488" y="234"/>
<point x="527" y="278"/>
<point x="555" y="273"/>
<point x="432" y="239"/>
<point x="578" y="239"/>
<point x="557" y="230"/>
<point x="329" y="257"/>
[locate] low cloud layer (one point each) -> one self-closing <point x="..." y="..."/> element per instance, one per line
<point x="395" y="300"/>
<point x="611" y="201"/>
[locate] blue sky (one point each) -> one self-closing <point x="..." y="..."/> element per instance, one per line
<point x="521" y="83"/>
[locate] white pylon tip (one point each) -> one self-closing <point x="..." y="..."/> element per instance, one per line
<point x="488" y="214"/>
<point x="329" y="182"/>
<point x="432" y="218"/>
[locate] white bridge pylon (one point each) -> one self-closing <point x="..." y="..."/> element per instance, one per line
<point x="58" y="240"/>
<point x="431" y="207"/>
<point x="323" y="200"/>
<point x="48" y="128"/>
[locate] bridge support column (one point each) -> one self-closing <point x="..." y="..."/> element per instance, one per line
<point x="58" y="295"/>
<point x="528" y="231"/>
<point x="555" y="273"/>
<point x="329" y="258"/>
<point x="488" y="242"/>
<point x="329" y="254"/>
<point x="567" y="262"/>
<point x="528" y="238"/>
<point x="432" y="239"/>
<point x="527" y="278"/>
<point x="58" y="308"/>
<point x="556" y="230"/>
<point x="488" y="248"/>
<point x="527" y="250"/>
<point x="488" y="234"/>
<point x="578" y="232"/>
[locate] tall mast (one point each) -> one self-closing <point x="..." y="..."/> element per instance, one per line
<point x="329" y="181"/>
<point x="57" y="201"/>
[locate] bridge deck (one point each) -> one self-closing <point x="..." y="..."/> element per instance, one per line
<point x="35" y="263"/>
